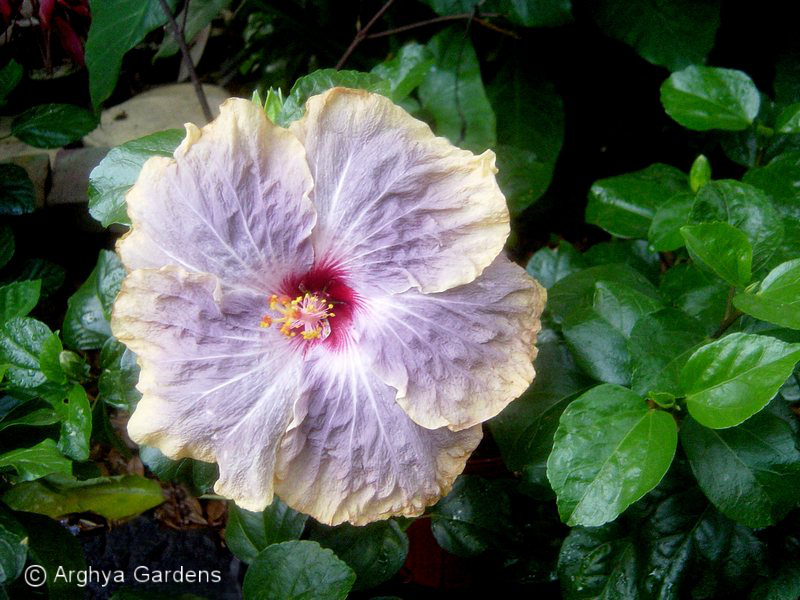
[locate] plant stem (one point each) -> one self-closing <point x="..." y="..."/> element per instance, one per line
<point x="459" y="17"/>
<point x="187" y="61"/>
<point x="361" y="34"/>
<point x="731" y="314"/>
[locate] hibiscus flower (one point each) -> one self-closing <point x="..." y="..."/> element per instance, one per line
<point x="323" y="310"/>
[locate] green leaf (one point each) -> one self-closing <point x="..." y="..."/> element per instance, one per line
<point x="324" y="79"/>
<point x="119" y="376"/>
<point x="599" y="562"/>
<point x="778" y="297"/>
<point x="30" y="414"/>
<point x="405" y="71"/>
<point x="17" y="196"/>
<point x="524" y="430"/>
<point x="700" y="173"/>
<point x="665" y="229"/>
<point x="473" y="517"/>
<point x="577" y="290"/>
<point x="51" y="275"/>
<point x="48" y="360"/>
<point x="13" y="546"/>
<point x="375" y="551"/>
<point x="530" y="132"/>
<point x="117" y="497"/>
<point x="703" y="98"/>
<point x="669" y="33"/>
<point x="747" y="208"/>
<point x="36" y="461"/>
<point x="196" y="475"/>
<point x="760" y="462"/>
<point x="610" y="449"/>
<point x="453" y="93"/>
<point x="75" y="415"/>
<point x="789" y="119"/>
<point x="201" y="13"/>
<point x="55" y="549"/>
<point x="21" y="342"/>
<point x="626" y="204"/>
<point x="117" y="26"/>
<point x="6" y="245"/>
<point x="660" y="344"/>
<point x="536" y="13"/>
<point x="722" y="248"/>
<point x="18" y="299"/>
<point x="53" y="125"/>
<point x="10" y="76"/>
<point x="297" y="570"/>
<point x="634" y="253"/>
<point x="550" y="265"/>
<point x="696" y="293"/>
<point x="117" y="172"/>
<point x="733" y="378"/>
<point x="248" y="533"/>
<point x="86" y="324"/>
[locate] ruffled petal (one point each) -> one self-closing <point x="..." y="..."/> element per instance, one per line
<point x="352" y="454"/>
<point x="233" y="202"/>
<point x="215" y="386"/>
<point x="398" y="207"/>
<point x="457" y="358"/>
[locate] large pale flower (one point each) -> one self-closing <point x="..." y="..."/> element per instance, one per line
<point x="324" y="311"/>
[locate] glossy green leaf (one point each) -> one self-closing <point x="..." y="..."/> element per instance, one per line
<point x="10" y="76"/>
<point x="36" y="461"/>
<point x="669" y="33"/>
<point x="660" y="344"/>
<point x="119" y="376"/>
<point x="75" y="415"/>
<point x="201" y="13"/>
<point x="734" y="377"/>
<point x="54" y="548"/>
<point x="117" y="497"/>
<point x="375" y="551"/>
<point x="789" y="119"/>
<point x="117" y="26"/>
<point x="747" y="208"/>
<point x="777" y="299"/>
<point x="610" y="449"/>
<point x="86" y="324"/>
<point x="117" y="172"/>
<point x="248" y="533"/>
<point x="51" y="275"/>
<point x="750" y="472"/>
<point x="530" y="132"/>
<point x="6" y="244"/>
<point x="19" y="298"/>
<point x="317" y="82"/>
<point x="21" y="343"/>
<point x="599" y="562"/>
<point x="49" y="362"/>
<point x="30" y="414"/>
<point x="622" y="306"/>
<point x="577" y="290"/>
<point x="634" y="253"/>
<point x="53" y="125"/>
<point x="696" y="293"/>
<point x="17" y="196"/>
<point x="13" y="546"/>
<point x="703" y="98"/>
<point x="626" y="204"/>
<point x="524" y="430"/>
<point x="453" y="93"/>
<point x="700" y="173"/>
<point x="665" y="229"/>
<point x="550" y="265"/>
<point x="198" y="476"/>
<point x="297" y="570"/>
<point x="473" y="517"/>
<point x="405" y="71"/>
<point x="722" y="248"/>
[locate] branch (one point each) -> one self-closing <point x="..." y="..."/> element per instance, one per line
<point x="361" y="34"/>
<point x="459" y="17"/>
<point x="187" y="61"/>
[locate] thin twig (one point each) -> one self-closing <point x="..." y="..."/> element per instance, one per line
<point x="361" y="34"/>
<point x="187" y="61"/>
<point x="730" y="316"/>
<point x="460" y="17"/>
